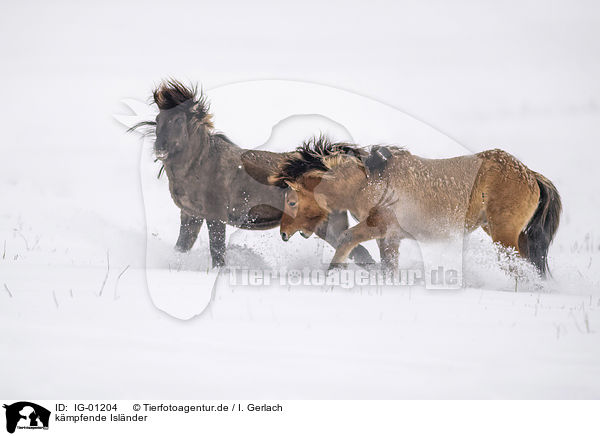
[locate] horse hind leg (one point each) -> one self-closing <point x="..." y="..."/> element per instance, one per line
<point x="510" y="206"/>
<point x="523" y="246"/>
<point x="506" y="237"/>
<point x="508" y="233"/>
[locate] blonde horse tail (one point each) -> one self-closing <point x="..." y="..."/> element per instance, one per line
<point x="542" y="226"/>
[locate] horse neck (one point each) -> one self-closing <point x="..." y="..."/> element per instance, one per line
<point x="341" y="189"/>
<point x="199" y="144"/>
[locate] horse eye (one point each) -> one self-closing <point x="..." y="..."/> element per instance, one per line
<point x="292" y="203"/>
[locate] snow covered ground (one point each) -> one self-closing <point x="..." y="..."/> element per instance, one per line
<point x="78" y="315"/>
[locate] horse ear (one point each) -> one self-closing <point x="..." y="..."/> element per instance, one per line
<point x="261" y="165"/>
<point x="198" y="108"/>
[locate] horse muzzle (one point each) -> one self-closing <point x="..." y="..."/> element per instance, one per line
<point x="161" y="154"/>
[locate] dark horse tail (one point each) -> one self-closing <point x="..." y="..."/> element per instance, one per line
<point x="543" y="225"/>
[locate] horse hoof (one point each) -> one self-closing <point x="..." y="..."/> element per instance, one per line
<point x="218" y="263"/>
<point x="366" y="265"/>
<point x="182" y="249"/>
<point x="337" y="266"/>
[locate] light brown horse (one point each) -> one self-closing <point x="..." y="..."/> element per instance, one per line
<point x="395" y="195"/>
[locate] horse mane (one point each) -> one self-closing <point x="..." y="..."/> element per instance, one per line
<point x="150" y="131"/>
<point x="316" y="156"/>
<point x="172" y="94"/>
<point x="224" y="137"/>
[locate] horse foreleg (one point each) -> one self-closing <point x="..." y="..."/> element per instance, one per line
<point x="331" y="231"/>
<point x="352" y="237"/>
<point x="188" y="232"/>
<point x="216" y="236"/>
<point x="388" y="251"/>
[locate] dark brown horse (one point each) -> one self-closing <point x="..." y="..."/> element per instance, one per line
<point x="209" y="175"/>
<point x="397" y="195"/>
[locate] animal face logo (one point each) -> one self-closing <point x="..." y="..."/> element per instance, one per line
<point x="26" y="415"/>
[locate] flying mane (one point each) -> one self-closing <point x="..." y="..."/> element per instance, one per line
<point x="172" y="94"/>
<point x="316" y="156"/>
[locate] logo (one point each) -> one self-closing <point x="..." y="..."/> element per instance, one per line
<point x="26" y="415"/>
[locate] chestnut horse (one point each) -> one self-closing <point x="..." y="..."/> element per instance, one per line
<point x="395" y="195"/>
